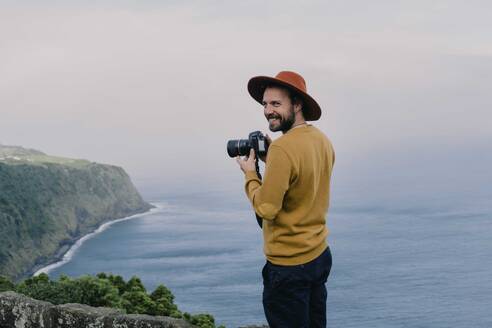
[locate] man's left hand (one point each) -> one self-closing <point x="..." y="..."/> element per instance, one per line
<point x="248" y="163"/>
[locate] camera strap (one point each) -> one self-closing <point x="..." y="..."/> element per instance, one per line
<point x="258" y="218"/>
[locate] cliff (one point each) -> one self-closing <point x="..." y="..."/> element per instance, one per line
<point x="47" y="203"/>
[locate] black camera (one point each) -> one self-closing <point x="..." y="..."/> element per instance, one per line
<point x="241" y="147"/>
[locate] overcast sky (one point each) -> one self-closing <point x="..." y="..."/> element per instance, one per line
<point x="158" y="87"/>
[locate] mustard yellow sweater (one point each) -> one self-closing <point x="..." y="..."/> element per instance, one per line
<point x="294" y="195"/>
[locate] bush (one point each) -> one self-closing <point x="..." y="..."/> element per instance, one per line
<point x="40" y="287"/>
<point x="106" y="290"/>
<point x="202" y="320"/>
<point x="164" y="301"/>
<point x="6" y="284"/>
<point x="91" y="291"/>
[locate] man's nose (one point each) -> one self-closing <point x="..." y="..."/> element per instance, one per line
<point x="268" y="109"/>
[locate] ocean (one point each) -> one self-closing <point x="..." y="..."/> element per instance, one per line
<point x="399" y="260"/>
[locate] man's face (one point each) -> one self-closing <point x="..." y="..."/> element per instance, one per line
<point x="278" y="109"/>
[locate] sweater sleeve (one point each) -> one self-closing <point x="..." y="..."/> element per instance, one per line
<point x="267" y="196"/>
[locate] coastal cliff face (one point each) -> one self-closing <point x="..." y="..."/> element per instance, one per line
<point x="47" y="202"/>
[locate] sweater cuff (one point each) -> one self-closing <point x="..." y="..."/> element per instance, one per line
<point x="251" y="175"/>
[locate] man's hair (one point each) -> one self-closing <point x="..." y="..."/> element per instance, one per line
<point x="293" y="96"/>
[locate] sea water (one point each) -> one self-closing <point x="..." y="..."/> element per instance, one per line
<point x="398" y="261"/>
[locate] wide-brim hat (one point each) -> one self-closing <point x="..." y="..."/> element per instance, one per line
<point x="292" y="81"/>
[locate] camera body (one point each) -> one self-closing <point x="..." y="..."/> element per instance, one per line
<point x="241" y="147"/>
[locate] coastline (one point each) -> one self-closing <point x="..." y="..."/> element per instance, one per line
<point x="65" y="253"/>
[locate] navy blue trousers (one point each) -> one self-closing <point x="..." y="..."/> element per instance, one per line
<point x="295" y="296"/>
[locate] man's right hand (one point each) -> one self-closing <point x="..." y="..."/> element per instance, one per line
<point x="248" y="162"/>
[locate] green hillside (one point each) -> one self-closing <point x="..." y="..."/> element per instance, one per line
<point x="48" y="202"/>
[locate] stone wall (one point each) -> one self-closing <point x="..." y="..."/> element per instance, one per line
<point x="19" y="311"/>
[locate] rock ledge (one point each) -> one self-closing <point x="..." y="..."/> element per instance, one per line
<point x="20" y="311"/>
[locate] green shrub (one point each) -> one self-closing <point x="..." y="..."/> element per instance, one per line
<point x="6" y="284"/>
<point x="118" y="282"/>
<point x="164" y="301"/>
<point x="106" y="290"/>
<point x="40" y="287"/>
<point x="202" y="320"/>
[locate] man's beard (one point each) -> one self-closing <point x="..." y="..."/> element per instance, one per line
<point x="285" y="123"/>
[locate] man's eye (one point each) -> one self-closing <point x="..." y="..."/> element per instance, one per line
<point x="276" y="104"/>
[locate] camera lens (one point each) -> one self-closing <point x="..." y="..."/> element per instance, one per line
<point x="239" y="147"/>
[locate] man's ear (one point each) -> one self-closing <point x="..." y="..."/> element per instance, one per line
<point x="297" y="106"/>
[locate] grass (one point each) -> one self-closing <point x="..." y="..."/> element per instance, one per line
<point x="18" y="155"/>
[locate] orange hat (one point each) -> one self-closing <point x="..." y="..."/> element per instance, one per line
<point x="292" y="81"/>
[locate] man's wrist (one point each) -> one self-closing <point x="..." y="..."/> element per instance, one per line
<point x="250" y="175"/>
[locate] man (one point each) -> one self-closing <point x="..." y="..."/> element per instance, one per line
<point x="292" y="199"/>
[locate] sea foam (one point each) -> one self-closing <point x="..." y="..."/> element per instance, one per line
<point x="69" y="254"/>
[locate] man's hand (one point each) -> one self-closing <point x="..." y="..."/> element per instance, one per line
<point x="268" y="141"/>
<point x="248" y="163"/>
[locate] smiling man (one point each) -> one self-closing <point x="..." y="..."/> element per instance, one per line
<point x="292" y="200"/>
